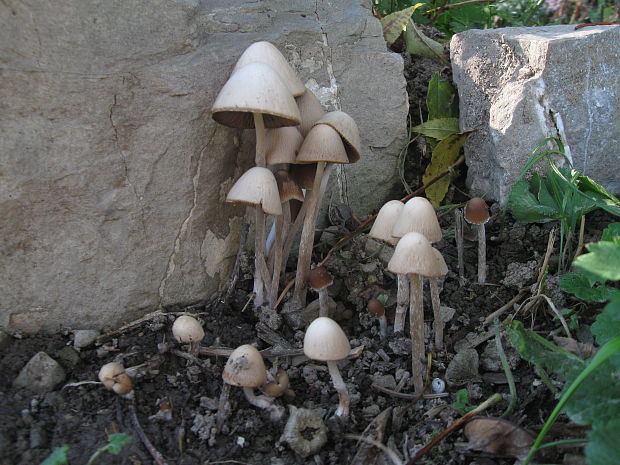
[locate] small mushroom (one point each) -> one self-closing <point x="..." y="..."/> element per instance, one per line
<point x="187" y="330"/>
<point x="377" y="309"/>
<point x="278" y="386"/>
<point x="245" y="367"/>
<point x="114" y="378"/>
<point x="477" y="213"/>
<point x="325" y="341"/>
<point x="320" y="280"/>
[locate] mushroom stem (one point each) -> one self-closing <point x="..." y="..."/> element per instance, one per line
<point x="343" y="406"/>
<point x="402" y="301"/>
<point x="416" y="328"/>
<point x="260" y="271"/>
<point x="194" y="347"/>
<point x="438" y="322"/>
<point x="323" y="302"/>
<point x="261" y="140"/>
<point x="277" y="251"/>
<point x="292" y="232"/>
<point x="383" y="326"/>
<point x="482" y="254"/>
<point x="458" y="232"/>
<point x="275" y="411"/>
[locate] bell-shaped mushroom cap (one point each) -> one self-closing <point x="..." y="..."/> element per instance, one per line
<point x="413" y="254"/>
<point x="320" y="278"/>
<point x="267" y="53"/>
<point x="187" y="329"/>
<point x="386" y="219"/>
<point x="257" y="186"/>
<point x="245" y="367"/>
<point x="108" y="373"/>
<point x="325" y="341"/>
<point x="476" y="211"/>
<point x="347" y="128"/>
<point x="376" y="308"/>
<point x="287" y="187"/>
<point x="440" y="269"/>
<point x="418" y="216"/>
<point x="255" y="88"/>
<point x="283" y="144"/>
<point x="322" y="144"/>
<point x="303" y="174"/>
<point x="310" y="110"/>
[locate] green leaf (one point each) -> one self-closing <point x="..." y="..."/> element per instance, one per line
<point x="444" y="155"/>
<point x="438" y="128"/>
<point x="602" y="261"/>
<point x="440" y="100"/>
<point x="580" y="285"/>
<point x="395" y="23"/>
<point x="604" y="447"/>
<point x="607" y="324"/>
<point x="611" y="232"/>
<point x="526" y="207"/>
<point x="461" y="404"/>
<point x="58" y="457"/>
<point x="418" y="44"/>
<point x="117" y="441"/>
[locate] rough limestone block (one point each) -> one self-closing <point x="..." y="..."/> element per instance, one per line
<point x="41" y="374"/>
<point x="113" y="174"/>
<point x="518" y="86"/>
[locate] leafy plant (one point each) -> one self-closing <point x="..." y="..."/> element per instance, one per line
<point x="116" y="443"/>
<point x="461" y="404"/>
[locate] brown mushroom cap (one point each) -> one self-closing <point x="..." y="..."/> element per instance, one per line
<point x="476" y="211"/>
<point x="245" y="367"/>
<point x="325" y="341"/>
<point x="279" y="386"/>
<point x="320" y="278"/>
<point x="418" y="215"/>
<point x="303" y="174"/>
<point x="257" y="186"/>
<point x="187" y="329"/>
<point x="114" y="378"/>
<point x="310" y="109"/>
<point x="322" y="144"/>
<point x="376" y="308"/>
<point x="413" y="254"/>
<point x="255" y="88"/>
<point x="283" y="144"/>
<point x="287" y="187"/>
<point x="345" y="125"/>
<point x="386" y="219"/>
<point x="267" y="53"/>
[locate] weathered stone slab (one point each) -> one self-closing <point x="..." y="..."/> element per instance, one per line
<point x="112" y="172"/>
<point x="518" y="86"/>
<point x="41" y="374"/>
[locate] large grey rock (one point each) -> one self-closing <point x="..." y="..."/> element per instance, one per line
<point x="41" y="374"/>
<point x="112" y="172"/>
<point x="518" y="86"/>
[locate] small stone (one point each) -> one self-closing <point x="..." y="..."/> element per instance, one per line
<point x="84" y="337"/>
<point x="386" y="381"/>
<point x="463" y="368"/>
<point x="400" y="346"/>
<point x="209" y="403"/>
<point x="447" y="313"/>
<point x="38" y="437"/>
<point x="68" y="357"/>
<point x="41" y="374"/>
<point x="371" y="411"/>
<point x="490" y="360"/>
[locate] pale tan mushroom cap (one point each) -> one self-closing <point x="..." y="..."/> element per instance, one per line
<point x="245" y="367"/>
<point x="267" y="53"/>
<point x="310" y="110"/>
<point x="187" y="329"/>
<point x="418" y="216"/>
<point x="257" y="186"/>
<point x="440" y="269"/>
<point x="413" y="255"/>
<point x="325" y="341"/>
<point x="322" y="144"/>
<point x="283" y="144"/>
<point x="346" y="126"/>
<point x="108" y="372"/>
<point x="255" y="88"/>
<point x="386" y="219"/>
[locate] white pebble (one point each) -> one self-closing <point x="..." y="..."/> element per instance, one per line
<point x="438" y="385"/>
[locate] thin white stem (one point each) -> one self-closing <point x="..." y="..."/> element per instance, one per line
<point x="261" y="273"/>
<point x="402" y="302"/>
<point x="482" y="254"/>
<point x="276" y="412"/>
<point x="416" y="328"/>
<point x="438" y="322"/>
<point x="341" y="387"/>
<point x="323" y="303"/>
<point x="261" y="140"/>
<point x="292" y="232"/>
<point x="269" y="241"/>
<point x="383" y="326"/>
<point x="458" y="232"/>
<point x="277" y="260"/>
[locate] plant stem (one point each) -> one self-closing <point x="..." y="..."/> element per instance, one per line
<point x="402" y="302"/>
<point x="437" y="321"/>
<point x="507" y="372"/>
<point x="341" y="387"/>
<point x="416" y="329"/>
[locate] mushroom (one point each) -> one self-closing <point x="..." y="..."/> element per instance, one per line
<point x="114" y="378"/>
<point x="477" y="213"/>
<point x="320" y="280"/>
<point x="441" y="269"/>
<point x="377" y="309"/>
<point x="310" y="110"/>
<point x="325" y="341"/>
<point x="278" y="386"/>
<point x="414" y="256"/>
<point x="245" y="367"/>
<point x="187" y="329"/>
<point x="382" y="230"/>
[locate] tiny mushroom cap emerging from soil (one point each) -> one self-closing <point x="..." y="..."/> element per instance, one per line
<point x="477" y="212"/>
<point x="345" y="125"/>
<point x="310" y="109"/>
<point x="257" y="186"/>
<point x="320" y="280"/>
<point x="187" y="329"/>
<point x="377" y="309"/>
<point x="386" y="219"/>
<point x="114" y="378"/>
<point x="279" y="386"/>
<point x="325" y="341"/>
<point x="419" y="216"/>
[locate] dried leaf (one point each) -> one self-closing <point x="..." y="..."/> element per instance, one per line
<point x="580" y="349"/>
<point x="366" y="453"/>
<point x="497" y="436"/>
<point x="395" y="23"/>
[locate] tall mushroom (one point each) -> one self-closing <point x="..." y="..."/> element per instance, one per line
<point x="414" y="256"/>
<point x="325" y="341"/>
<point x="477" y="213"/>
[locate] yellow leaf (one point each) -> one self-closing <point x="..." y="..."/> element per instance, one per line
<point x="395" y="23"/>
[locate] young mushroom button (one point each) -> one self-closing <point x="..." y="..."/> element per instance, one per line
<point x="320" y="280"/>
<point x="477" y="213"/>
<point x="187" y="330"/>
<point x="114" y="378"/>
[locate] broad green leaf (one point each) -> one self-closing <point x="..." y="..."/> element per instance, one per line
<point x="580" y="285"/>
<point x="117" y="441"/>
<point x="444" y="155"/>
<point x="418" y="44"/>
<point x="598" y="194"/>
<point x="607" y="324"/>
<point x="440" y="99"/>
<point x="611" y="232"/>
<point x="395" y="23"/>
<point x="525" y="206"/>
<point x="541" y="186"/>
<point x="58" y="457"/>
<point x="438" y="128"/>
<point x="603" y="447"/>
<point x="603" y="260"/>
